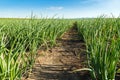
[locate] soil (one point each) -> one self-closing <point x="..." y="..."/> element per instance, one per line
<point x="59" y="62"/>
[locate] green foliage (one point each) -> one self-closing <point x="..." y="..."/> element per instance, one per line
<point x="102" y="37"/>
<point x="20" y="39"/>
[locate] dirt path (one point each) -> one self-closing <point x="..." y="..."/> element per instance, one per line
<point x="59" y="62"/>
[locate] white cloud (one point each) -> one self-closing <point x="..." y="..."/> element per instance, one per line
<point x="95" y="9"/>
<point x="110" y="6"/>
<point x="102" y="7"/>
<point x="55" y="8"/>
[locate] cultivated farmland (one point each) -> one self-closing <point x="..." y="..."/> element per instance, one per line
<point x="60" y="49"/>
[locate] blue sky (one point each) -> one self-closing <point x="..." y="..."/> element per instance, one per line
<point x="59" y="8"/>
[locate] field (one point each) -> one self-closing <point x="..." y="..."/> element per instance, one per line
<point x="60" y="49"/>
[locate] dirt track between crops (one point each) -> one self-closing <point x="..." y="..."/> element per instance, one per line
<point x="59" y="62"/>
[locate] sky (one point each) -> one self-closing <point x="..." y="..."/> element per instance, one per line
<point x="59" y="8"/>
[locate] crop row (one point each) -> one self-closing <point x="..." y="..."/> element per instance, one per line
<point x="20" y="39"/>
<point x="102" y="38"/>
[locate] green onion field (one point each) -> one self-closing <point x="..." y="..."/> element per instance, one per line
<point x="20" y="40"/>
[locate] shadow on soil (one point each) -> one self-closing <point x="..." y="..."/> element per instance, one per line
<point x="60" y="61"/>
<point x="59" y="72"/>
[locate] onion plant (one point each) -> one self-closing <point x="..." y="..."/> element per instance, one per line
<point x="102" y="41"/>
<point x="21" y="38"/>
